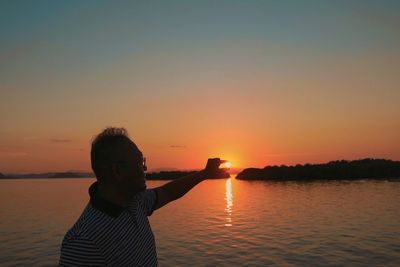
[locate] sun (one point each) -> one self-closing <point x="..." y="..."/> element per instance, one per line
<point x="227" y="164"/>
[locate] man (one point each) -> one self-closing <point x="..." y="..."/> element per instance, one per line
<point x="113" y="230"/>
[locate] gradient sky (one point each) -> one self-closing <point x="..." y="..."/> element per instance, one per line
<point x="255" y="82"/>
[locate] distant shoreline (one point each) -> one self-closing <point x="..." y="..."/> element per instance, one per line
<point x="375" y="169"/>
<point x="51" y="178"/>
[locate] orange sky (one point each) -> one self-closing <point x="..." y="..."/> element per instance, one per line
<point x="263" y="84"/>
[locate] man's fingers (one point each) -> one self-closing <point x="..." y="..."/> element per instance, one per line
<point x="215" y="162"/>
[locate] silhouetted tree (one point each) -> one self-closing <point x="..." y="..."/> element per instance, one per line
<point x="339" y="169"/>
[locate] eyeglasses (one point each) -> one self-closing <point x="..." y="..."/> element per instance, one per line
<point x="144" y="166"/>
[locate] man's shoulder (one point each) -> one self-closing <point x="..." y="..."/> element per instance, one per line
<point x="88" y="222"/>
<point x="146" y="200"/>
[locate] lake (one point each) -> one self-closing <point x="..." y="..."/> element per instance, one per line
<point x="224" y="222"/>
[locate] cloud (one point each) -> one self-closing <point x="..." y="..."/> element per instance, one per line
<point x="29" y="138"/>
<point x="177" y="146"/>
<point x="56" y="140"/>
<point x="13" y="154"/>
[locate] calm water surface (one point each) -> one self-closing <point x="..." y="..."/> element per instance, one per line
<point x="223" y="222"/>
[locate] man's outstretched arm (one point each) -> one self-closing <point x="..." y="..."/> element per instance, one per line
<point x="179" y="187"/>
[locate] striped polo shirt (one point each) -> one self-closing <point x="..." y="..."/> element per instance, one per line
<point x="109" y="235"/>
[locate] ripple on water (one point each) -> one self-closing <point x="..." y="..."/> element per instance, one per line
<point x="271" y="224"/>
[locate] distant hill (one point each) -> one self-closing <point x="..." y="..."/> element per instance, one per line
<point x="71" y="175"/>
<point x="334" y="170"/>
<point x="171" y="175"/>
<point x="49" y="175"/>
<point x="162" y="175"/>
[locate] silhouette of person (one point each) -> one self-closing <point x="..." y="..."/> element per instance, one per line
<point x="113" y="229"/>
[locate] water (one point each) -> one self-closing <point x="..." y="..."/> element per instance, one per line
<point x="224" y="222"/>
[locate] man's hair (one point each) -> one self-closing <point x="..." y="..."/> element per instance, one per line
<point x="105" y="147"/>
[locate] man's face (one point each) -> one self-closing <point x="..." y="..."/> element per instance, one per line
<point x="132" y="169"/>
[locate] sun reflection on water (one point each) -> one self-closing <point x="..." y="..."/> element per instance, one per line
<point x="229" y="202"/>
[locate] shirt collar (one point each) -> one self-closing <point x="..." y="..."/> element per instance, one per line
<point x="102" y="204"/>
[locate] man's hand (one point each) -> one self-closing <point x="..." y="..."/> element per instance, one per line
<point x="179" y="187"/>
<point x="212" y="169"/>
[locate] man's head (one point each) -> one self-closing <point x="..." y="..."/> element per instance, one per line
<point x="117" y="161"/>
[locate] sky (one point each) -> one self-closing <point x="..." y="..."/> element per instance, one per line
<point x="254" y="82"/>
